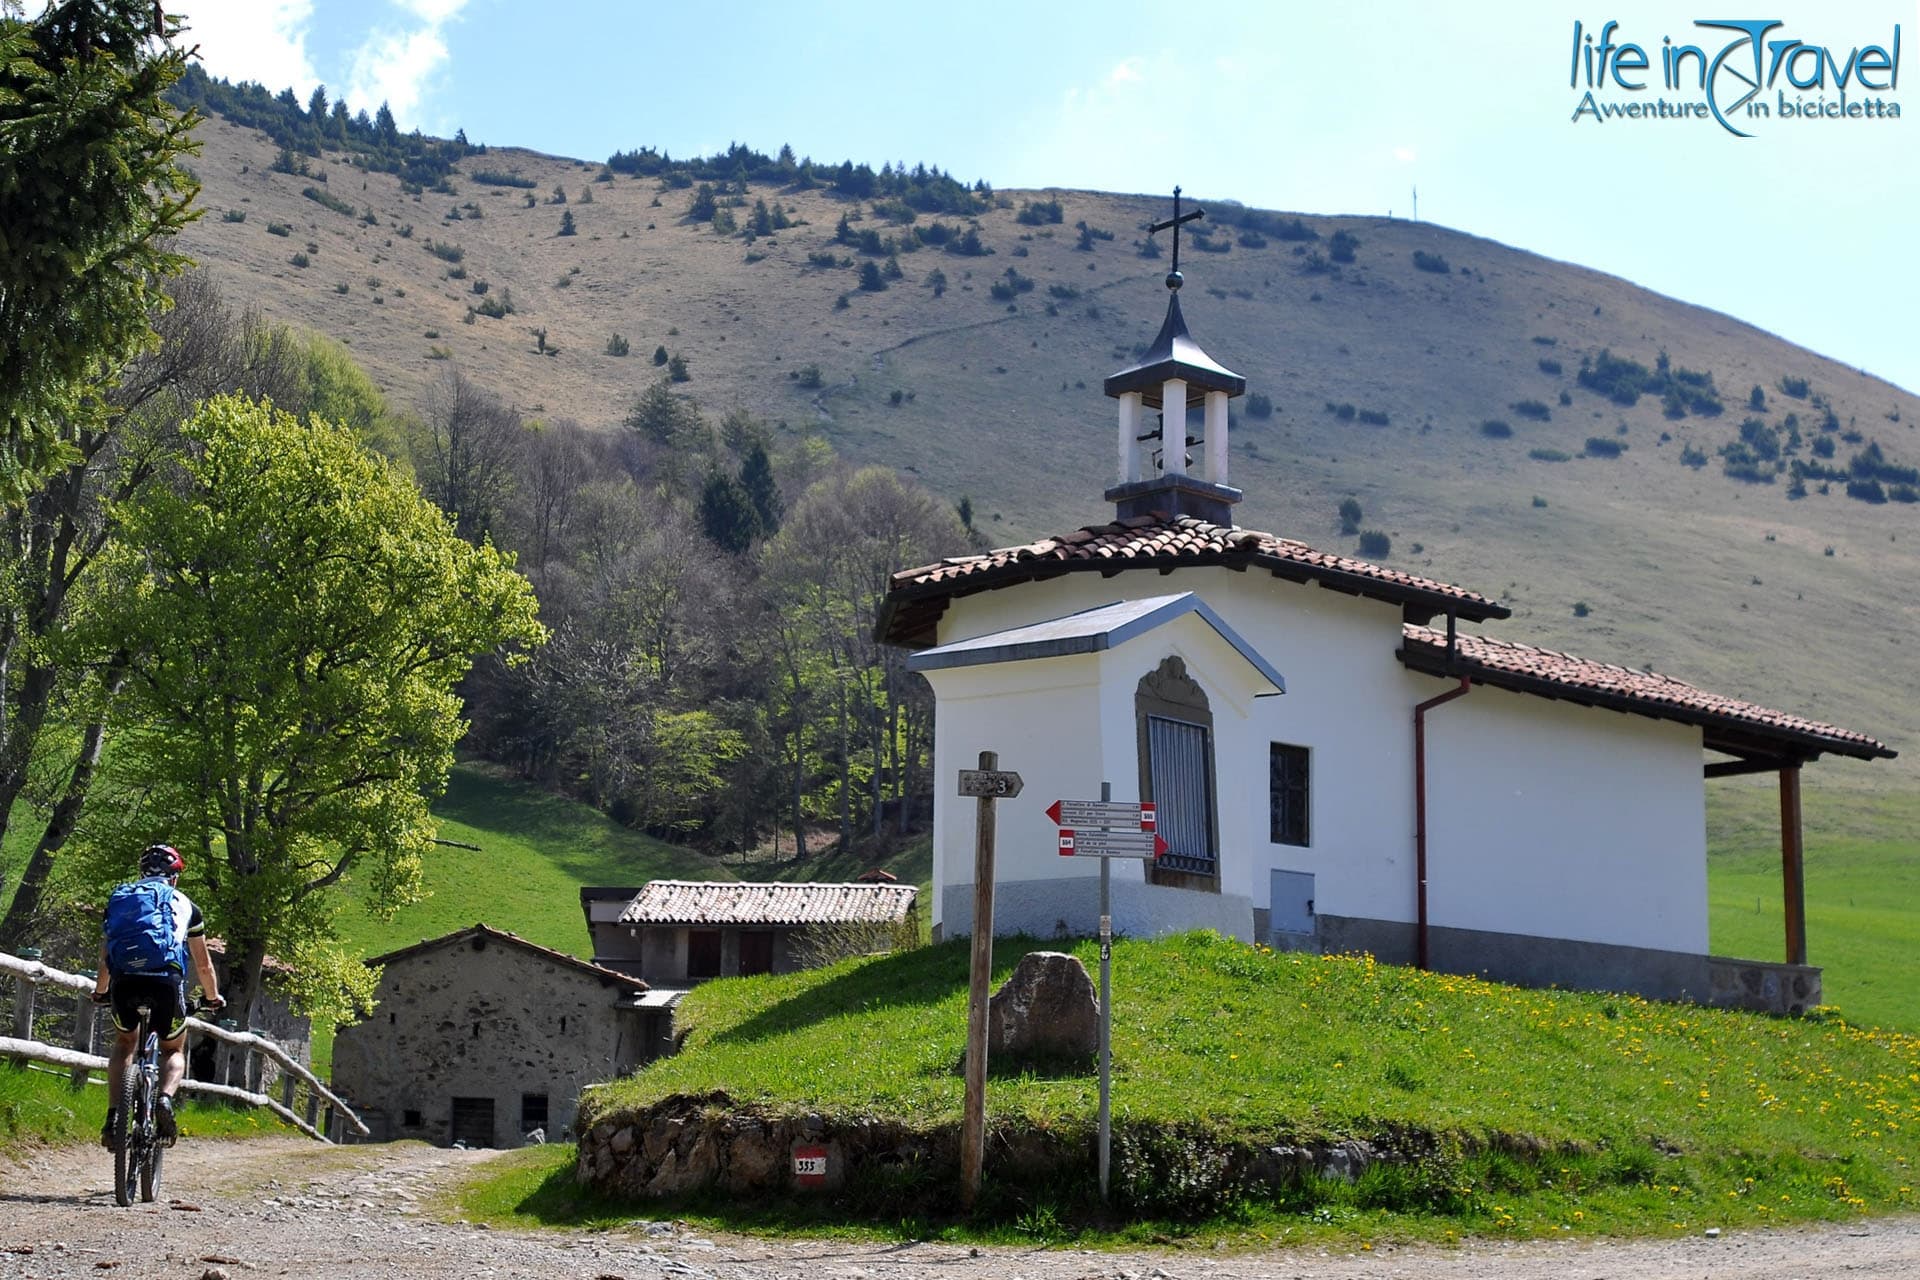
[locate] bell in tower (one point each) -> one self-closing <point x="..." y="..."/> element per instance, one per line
<point x="1174" y="377"/>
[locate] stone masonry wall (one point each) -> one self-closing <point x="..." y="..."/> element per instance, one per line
<point x="693" y="1144"/>
<point x="498" y="1023"/>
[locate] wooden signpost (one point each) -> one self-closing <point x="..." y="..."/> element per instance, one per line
<point x="985" y="784"/>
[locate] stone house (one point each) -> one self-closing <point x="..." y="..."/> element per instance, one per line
<point x="482" y="1037"/>
<point x="1338" y="762"/>
<point x="676" y="933"/>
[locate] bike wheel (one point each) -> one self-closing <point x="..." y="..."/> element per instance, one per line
<point x="125" y="1134"/>
<point x="150" y="1170"/>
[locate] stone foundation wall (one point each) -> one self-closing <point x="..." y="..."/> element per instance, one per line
<point x="692" y="1144"/>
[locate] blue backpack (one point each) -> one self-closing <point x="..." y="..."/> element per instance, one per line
<point x="140" y="930"/>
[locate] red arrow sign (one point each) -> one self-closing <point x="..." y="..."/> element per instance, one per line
<point x="1082" y="815"/>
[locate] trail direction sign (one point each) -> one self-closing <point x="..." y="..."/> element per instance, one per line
<point x="990" y="784"/>
<point x="1111" y="844"/>
<point x="1083" y="815"/>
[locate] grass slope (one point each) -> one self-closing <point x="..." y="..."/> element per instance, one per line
<point x="536" y="851"/>
<point x="40" y="1106"/>
<point x="1638" y="1116"/>
<point x="1862" y="892"/>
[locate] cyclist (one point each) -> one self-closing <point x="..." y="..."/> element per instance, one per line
<point x="162" y="988"/>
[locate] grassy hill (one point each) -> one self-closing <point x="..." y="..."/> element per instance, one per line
<point x="1540" y="1113"/>
<point x="1686" y="569"/>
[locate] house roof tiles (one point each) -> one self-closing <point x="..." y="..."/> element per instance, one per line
<point x="735" y="903"/>
<point x="917" y="597"/>
<point x="1731" y="724"/>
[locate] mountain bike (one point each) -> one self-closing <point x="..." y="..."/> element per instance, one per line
<point x="138" y="1148"/>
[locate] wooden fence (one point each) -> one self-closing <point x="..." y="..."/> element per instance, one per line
<point x="80" y="1059"/>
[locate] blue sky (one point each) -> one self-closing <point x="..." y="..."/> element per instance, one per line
<point x="1807" y="228"/>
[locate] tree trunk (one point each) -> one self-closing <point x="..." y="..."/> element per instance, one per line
<point x="60" y="825"/>
<point x="846" y="773"/>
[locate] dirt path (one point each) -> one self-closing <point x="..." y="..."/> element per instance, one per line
<point x="281" y="1207"/>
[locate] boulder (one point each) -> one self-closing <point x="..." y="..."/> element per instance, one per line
<point x="1046" y="1010"/>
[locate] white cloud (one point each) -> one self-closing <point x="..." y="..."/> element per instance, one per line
<point x="1405" y="155"/>
<point x="395" y="67"/>
<point x="261" y="40"/>
<point x="1129" y="71"/>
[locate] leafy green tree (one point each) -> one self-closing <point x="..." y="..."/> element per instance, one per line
<point x="317" y="105"/>
<point x="383" y="124"/>
<point x="297" y="617"/>
<point x="92" y="190"/>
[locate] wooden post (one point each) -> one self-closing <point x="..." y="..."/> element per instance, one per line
<point x="256" y="1064"/>
<point x="83" y="1012"/>
<point x="1792" y="864"/>
<point x="313" y="1109"/>
<point x="973" y="1118"/>
<point x="288" y="1083"/>
<point x="23" y="1008"/>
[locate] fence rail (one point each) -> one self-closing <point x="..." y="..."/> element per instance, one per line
<point x="29" y="975"/>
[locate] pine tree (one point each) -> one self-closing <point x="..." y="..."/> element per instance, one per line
<point x="566" y="223"/>
<point x="757" y="482"/>
<point x="727" y="514"/>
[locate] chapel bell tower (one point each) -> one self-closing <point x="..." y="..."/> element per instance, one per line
<point x="1174" y="377"/>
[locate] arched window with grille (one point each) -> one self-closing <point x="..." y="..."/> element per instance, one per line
<point x="1174" y="725"/>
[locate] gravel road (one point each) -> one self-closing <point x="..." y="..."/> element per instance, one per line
<point x="277" y="1207"/>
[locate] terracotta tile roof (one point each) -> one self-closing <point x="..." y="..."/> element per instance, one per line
<point x="515" y="940"/>
<point x="732" y="902"/>
<point x="917" y="597"/>
<point x="1731" y="725"/>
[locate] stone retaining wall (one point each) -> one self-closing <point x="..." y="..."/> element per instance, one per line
<point x="689" y="1144"/>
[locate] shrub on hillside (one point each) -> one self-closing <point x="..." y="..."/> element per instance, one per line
<point x="1551" y="367"/>
<point x="1795" y="387"/>
<point x="1433" y="262"/>
<point x="1549" y="455"/>
<point x="1604" y="447"/>
<point x="445" y="252"/>
<point x="1373" y="417"/>
<point x="495" y="178"/>
<point x="1342" y="246"/>
<point x="1495" y="429"/>
<point x="1535" y="409"/>
<point x="1375" y="543"/>
<point x="618" y="346"/>
<point x="1350" y="516"/>
<point x="327" y="200"/>
<point x="1037" y="213"/>
<point x="1259" y="405"/>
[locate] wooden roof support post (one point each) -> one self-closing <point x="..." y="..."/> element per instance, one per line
<point x="1792" y="864"/>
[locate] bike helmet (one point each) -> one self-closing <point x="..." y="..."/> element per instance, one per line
<point x="161" y="860"/>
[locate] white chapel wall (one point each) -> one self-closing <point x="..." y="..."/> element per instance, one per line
<point x="1557" y="820"/>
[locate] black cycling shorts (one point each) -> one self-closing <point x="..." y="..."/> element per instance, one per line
<point x="164" y="994"/>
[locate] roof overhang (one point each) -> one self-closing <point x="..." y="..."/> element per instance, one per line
<point x="1094" y="631"/>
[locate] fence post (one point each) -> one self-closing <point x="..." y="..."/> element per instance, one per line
<point x="83" y="1015"/>
<point x="255" y="1066"/>
<point x="23" y="1008"/>
<point x="288" y="1083"/>
<point x="313" y="1109"/>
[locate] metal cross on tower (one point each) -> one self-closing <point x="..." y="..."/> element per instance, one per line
<point x="1174" y="278"/>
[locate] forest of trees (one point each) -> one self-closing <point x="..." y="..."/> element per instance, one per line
<point x="250" y="607"/>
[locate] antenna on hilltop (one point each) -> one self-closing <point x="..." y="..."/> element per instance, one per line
<point x="1416" y="204"/>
